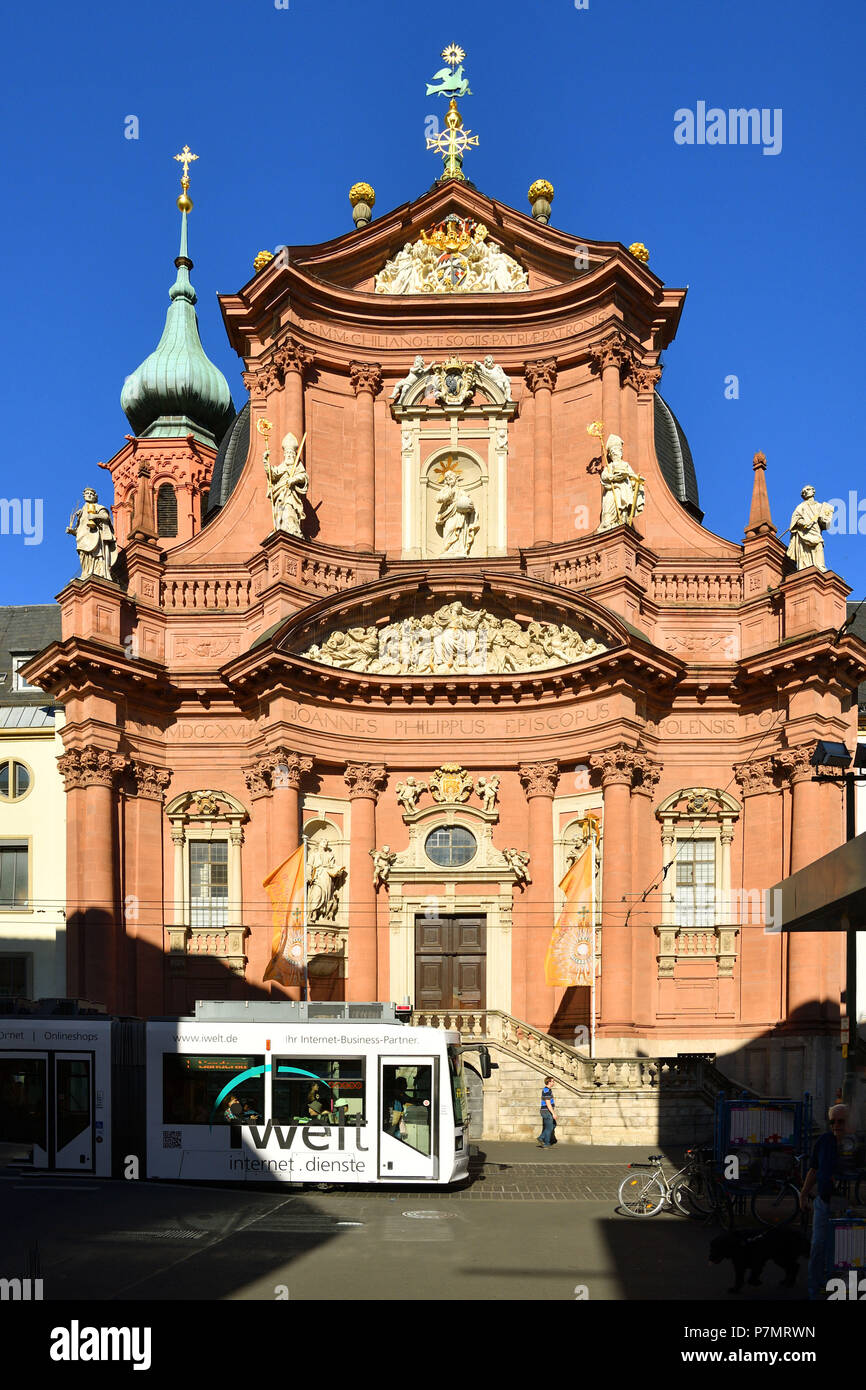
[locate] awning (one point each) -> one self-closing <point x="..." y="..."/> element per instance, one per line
<point x="818" y="897"/>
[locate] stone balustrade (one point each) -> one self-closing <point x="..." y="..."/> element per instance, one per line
<point x="192" y="593"/>
<point x="692" y="586"/>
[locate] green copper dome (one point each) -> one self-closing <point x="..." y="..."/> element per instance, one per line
<point x="177" y="390"/>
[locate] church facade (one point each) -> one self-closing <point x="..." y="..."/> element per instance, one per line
<point x="408" y="605"/>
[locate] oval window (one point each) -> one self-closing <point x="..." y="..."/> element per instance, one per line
<point x="15" y="780"/>
<point x="450" y="846"/>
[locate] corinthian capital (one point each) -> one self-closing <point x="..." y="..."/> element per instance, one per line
<point x="291" y="357"/>
<point x="644" y="379"/>
<point x="287" y="767"/>
<point x="364" y="779"/>
<point x="365" y="376"/>
<point x="795" y="763"/>
<point x="539" y="779"/>
<point x="646" y="772"/>
<point x="150" y="781"/>
<point x="90" y="767"/>
<point x="610" y="351"/>
<point x="541" y="375"/>
<point x="615" y="765"/>
<point x="755" y="777"/>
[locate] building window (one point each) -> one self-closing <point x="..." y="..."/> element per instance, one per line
<point x="15" y="780"/>
<point x="18" y="681"/>
<point x="14" y="976"/>
<point x="696" y="883"/>
<point x="450" y="846"/>
<point x="208" y="883"/>
<point x="166" y="511"/>
<point x="13" y="874"/>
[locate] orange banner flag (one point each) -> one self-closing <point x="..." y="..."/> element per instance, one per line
<point x="569" y="959"/>
<point x="285" y="888"/>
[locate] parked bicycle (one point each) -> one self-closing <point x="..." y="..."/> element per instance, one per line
<point x="693" y="1190"/>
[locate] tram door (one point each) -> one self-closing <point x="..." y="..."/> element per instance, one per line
<point x="73" y="1111"/>
<point x="409" y="1117"/>
<point x="24" y="1107"/>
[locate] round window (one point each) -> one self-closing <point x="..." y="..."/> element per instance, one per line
<point x="450" y="846"/>
<point x="14" y="781"/>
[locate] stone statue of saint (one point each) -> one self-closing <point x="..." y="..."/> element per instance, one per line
<point x="324" y="877"/>
<point x="623" y="496"/>
<point x="287" y="487"/>
<point x="94" y="537"/>
<point x="456" y="517"/>
<point x="809" y="520"/>
<point x="382" y="860"/>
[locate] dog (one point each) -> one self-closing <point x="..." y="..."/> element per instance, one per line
<point x="750" y="1251"/>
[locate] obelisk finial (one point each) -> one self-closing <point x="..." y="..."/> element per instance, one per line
<point x="185" y="158"/>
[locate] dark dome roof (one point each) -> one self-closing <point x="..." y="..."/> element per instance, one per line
<point x="675" y="457"/>
<point x="230" y="459"/>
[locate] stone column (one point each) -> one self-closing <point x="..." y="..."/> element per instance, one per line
<point x="292" y="362"/>
<point x="286" y="770"/>
<point x="607" y="357"/>
<point x="539" y="783"/>
<point x="69" y="767"/>
<point x="364" y="781"/>
<point x="99" y="912"/>
<point x="815" y="823"/>
<point x="644" y="828"/>
<point x="142" y="993"/>
<point x="366" y="380"/>
<point x="541" y="379"/>
<point x="615" y="768"/>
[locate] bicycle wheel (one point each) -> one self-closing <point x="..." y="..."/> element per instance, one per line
<point x="701" y="1192"/>
<point x="688" y="1200"/>
<point x="641" y="1195"/>
<point x="776" y="1204"/>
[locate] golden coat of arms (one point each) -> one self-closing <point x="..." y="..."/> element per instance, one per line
<point x="450" y="782"/>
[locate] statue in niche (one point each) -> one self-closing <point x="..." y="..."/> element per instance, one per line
<point x="324" y="878"/>
<point x="623" y="495"/>
<point x="287" y="487"/>
<point x="488" y="368"/>
<point x="456" y="518"/>
<point x="488" y="789"/>
<point x="94" y="537"/>
<point x="518" y="861"/>
<point x="809" y="520"/>
<point x="408" y="793"/>
<point x="382" y="860"/>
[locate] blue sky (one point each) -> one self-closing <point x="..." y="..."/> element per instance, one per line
<point x="288" y="107"/>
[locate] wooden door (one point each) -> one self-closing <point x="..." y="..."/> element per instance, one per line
<point x="450" y="962"/>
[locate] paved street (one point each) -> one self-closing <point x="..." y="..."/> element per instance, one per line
<point x="530" y="1225"/>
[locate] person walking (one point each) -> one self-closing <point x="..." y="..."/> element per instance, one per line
<point x="548" y="1116"/>
<point x="824" y="1159"/>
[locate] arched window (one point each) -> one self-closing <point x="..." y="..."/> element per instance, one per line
<point x="166" y="511"/>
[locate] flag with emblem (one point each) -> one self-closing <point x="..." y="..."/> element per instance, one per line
<point x="571" y="951"/>
<point x="286" y="887"/>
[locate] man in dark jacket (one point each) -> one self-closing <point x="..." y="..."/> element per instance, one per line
<point x="822" y="1164"/>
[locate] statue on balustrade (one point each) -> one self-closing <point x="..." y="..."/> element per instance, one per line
<point x="809" y="520"/>
<point x="287" y="487"/>
<point x="94" y="537"/>
<point x="622" y="497"/>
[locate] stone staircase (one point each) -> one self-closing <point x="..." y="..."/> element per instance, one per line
<point x="599" y="1100"/>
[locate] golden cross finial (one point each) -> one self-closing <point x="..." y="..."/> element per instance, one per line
<point x="185" y="158"/>
<point x="452" y="143"/>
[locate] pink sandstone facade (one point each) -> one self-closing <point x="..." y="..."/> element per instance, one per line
<point x="690" y="718"/>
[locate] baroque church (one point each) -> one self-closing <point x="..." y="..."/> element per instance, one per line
<point x="438" y="599"/>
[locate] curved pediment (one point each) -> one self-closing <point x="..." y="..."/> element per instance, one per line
<point x="418" y="636"/>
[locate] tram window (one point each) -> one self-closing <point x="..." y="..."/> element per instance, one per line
<point x="319" y="1091"/>
<point x="458" y="1084"/>
<point x="193" y="1089"/>
<point x="22" y="1100"/>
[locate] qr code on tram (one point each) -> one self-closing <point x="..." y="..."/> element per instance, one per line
<point x="171" y="1139"/>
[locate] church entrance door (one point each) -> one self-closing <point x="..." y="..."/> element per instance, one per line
<point x="450" y="962"/>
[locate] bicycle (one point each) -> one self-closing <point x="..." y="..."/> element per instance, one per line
<point x="647" y="1195"/>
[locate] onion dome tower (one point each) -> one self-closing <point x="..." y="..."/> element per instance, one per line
<point x="177" y="390"/>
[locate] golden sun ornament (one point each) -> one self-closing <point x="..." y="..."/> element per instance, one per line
<point x="446" y="466"/>
<point x="453" y="54"/>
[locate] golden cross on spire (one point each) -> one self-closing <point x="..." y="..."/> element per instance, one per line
<point x="452" y="143"/>
<point x="185" y="158"/>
